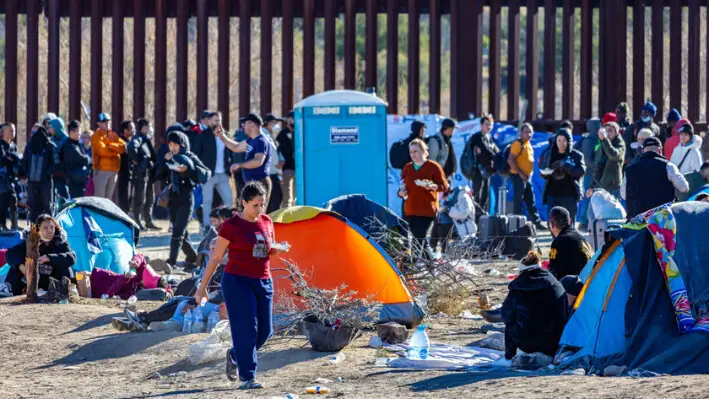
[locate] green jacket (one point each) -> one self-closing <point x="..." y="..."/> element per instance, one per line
<point x="609" y="158"/>
<point x="696" y="182"/>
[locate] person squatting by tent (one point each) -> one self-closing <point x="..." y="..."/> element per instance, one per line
<point x="569" y="251"/>
<point x="55" y="257"/>
<point x="185" y="171"/>
<point x="535" y="310"/>
<point x="38" y="163"/>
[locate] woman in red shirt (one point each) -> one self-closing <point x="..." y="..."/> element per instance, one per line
<point x="246" y="283"/>
<point x="422" y="180"/>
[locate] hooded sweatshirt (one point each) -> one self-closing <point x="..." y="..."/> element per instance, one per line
<point x="673" y="141"/>
<point x="693" y="160"/>
<point x="39" y="146"/>
<point x="59" y="138"/>
<point x="589" y="143"/>
<point x="535" y="313"/>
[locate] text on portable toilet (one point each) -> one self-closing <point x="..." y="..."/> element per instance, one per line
<point x="344" y="135"/>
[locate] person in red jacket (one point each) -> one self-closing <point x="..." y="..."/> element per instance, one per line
<point x="673" y="141"/>
<point x="422" y="180"/>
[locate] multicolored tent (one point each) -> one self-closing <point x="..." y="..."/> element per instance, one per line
<point x="645" y="301"/>
<point x="335" y="251"/>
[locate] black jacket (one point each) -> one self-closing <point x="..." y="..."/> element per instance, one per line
<point x="640" y="196"/>
<point x="61" y="258"/>
<point x="76" y="163"/>
<point x="568" y="254"/>
<point x="567" y="172"/>
<point x="205" y="148"/>
<point x="535" y="313"/>
<point x="10" y="163"/>
<point x="182" y="182"/>
<point x="140" y="155"/>
<point x="487" y="147"/>
<point x="41" y="149"/>
<point x="286" y="146"/>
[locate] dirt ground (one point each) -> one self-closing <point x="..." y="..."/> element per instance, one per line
<point x="61" y="351"/>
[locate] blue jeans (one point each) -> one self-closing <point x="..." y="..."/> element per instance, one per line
<point x="583" y="205"/>
<point x="570" y="203"/>
<point x="249" y="303"/>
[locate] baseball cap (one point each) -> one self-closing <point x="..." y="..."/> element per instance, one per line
<point x="651" y="142"/>
<point x="104" y="117"/>
<point x="251" y="117"/>
<point x="291" y="114"/>
<point x="206" y="114"/>
<point x="270" y="118"/>
<point x="447" y="123"/>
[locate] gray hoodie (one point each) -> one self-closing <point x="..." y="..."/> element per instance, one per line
<point x="589" y="143"/>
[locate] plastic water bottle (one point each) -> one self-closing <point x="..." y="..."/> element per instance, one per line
<point x="132" y="300"/>
<point x="212" y="321"/>
<point x="419" y="345"/>
<point x="197" y="320"/>
<point x="187" y="323"/>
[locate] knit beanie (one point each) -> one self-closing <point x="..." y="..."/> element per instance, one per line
<point x="650" y="107"/>
<point x="609" y="117"/>
<point x="674" y="115"/>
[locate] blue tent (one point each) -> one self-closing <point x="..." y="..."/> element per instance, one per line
<point x="625" y="314"/>
<point x="100" y="234"/>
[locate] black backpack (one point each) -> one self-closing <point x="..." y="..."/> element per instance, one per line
<point x="468" y="165"/>
<point x="501" y="164"/>
<point x="399" y="154"/>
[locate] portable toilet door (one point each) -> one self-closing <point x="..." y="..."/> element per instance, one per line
<point x="341" y="147"/>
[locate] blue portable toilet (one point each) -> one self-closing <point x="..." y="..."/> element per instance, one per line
<point x="340" y="147"/>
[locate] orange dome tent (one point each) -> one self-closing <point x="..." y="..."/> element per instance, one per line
<point x="334" y="251"/>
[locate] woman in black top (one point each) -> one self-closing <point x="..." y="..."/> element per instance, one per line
<point x="564" y="168"/>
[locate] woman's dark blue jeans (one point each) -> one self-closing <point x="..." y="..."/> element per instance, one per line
<point x="249" y="303"/>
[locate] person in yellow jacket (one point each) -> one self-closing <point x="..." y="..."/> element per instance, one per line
<point x="107" y="148"/>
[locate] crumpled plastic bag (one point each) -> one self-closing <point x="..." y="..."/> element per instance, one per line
<point x="213" y="347"/>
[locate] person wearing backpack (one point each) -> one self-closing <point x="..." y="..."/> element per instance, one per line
<point x="520" y="159"/>
<point x="184" y="171"/>
<point x="76" y="163"/>
<point x="482" y="150"/>
<point x="38" y="163"/>
<point x="399" y="151"/>
<point x="441" y="150"/>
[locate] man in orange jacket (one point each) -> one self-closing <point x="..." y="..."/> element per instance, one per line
<point x="107" y="148"/>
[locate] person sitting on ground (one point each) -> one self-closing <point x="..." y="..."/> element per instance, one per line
<point x="216" y="218"/>
<point x="170" y="316"/>
<point x="535" y="310"/>
<point x="698" y="181"/>
<point x="573" y="286"/>
<point x="569" y="251"/>
<point x="105" y="282"/>
<point x="55" y="257"/>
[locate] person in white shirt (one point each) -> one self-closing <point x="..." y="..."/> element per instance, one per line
<point x="687" y="155"/>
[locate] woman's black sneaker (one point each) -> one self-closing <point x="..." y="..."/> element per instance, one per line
<point x="232" y="370"/>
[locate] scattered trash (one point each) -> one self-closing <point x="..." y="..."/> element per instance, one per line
<point x="132" y="300"/>
<point x="317" y="390"/>
<point x="530" y="361"/>
<point x="574" y="372"/>
<point x="419" y="345"/>
<point x="71" y="368"/>
<point x="466" y="270"/>
<point x="468" y="315"/>
<point x="440" y="315"/>
<point x="392" y="333"/>
<point x="213" y="347"/>
<point x="336" y="358"/>
<point x="104" y="297"/>
<point x="383" y="361"/>
<point x="64" y="302"/>
<point x="494" y="340"/>
<point x="493" y="272"/>
<point x="512" y="276"/>
<point x="640" y="373"/>
<point x="41" y="292"/>
<point x="375" y="342"/>
<point x="484" y="301"/>
<point x="493" y="327"/>
<point x="179" y="374"/>
<point x="321" y="380"/>
<point x="340" y="379"/>
<point x="614" y="371"/>
<point x="155" y="376"/>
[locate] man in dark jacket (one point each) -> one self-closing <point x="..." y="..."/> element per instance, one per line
<point x="569" y="251"/>
<point x="76" y="163"/>
<point x="484" y="151"/>
<point x="9" y="170"/>
<point x="588" y="149"/>
<point x="38" y="162"/>
<point x="399" y="152"/>
<point x="535" y="312"/>
<point x="286" y="149"/>
<point x="651" y="180"/>
<point x="214" y="154"/>
<point x="140" y="160"/>
<point x="608" y="173"/>
<point x="124" y="174"/>
<point x="440" y="148"/>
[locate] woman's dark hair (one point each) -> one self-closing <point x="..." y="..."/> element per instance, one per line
<point x="44" y="217"/>
<point x="221" y="212"/>
<point x="252" y="190"/>
<point x="162" y="283"/>
<point x="140" y="123"/>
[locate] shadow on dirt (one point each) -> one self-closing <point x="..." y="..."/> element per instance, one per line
<point x="113" y="346"/>
<point x="454" y="380"/>
<point x="98" y="322"/>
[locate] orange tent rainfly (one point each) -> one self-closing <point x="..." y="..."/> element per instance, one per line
<point x="334" y="251"/>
